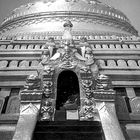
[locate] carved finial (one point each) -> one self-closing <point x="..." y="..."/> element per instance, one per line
<point x="67" y="31"/>
<point x="68" y="24"/>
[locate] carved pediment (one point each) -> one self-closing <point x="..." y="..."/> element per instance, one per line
<point x="66" y="54"/>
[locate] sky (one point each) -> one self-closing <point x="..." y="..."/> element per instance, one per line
<point x="131" y="8"/>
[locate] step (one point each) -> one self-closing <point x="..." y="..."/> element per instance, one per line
<point x="68" y="136"/>
<point x="68" y="130"/>
<point x="64" y="126"/>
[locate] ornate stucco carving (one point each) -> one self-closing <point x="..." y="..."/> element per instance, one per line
<point x="88" y="109"/>
<point x="94" y="87"/>
<point x="80" y="59"/>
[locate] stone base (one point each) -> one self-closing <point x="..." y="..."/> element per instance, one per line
<point x="68" y="130"/>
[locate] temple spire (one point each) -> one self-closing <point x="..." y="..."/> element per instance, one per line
<point x="67" y="30"/>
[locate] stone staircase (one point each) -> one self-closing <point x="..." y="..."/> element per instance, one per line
<point x="68" y="130"/>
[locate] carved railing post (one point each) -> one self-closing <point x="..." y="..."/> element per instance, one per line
<point x="30" y="101"/>
<point x="109" y="121"/>
<point x="105" y="103"/>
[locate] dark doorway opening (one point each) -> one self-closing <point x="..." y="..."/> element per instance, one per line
<point x="68" y="94"/>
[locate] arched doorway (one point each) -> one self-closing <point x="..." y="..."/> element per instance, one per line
<point x="68" y="92"/>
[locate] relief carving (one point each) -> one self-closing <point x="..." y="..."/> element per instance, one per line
<point x="86" y="51"/>
<point x="87" y="109"/>
<point x="69" y="56"/>
<point x="48" y="49"/>
<point x="47" y="88"/>
<point x="47" y="110"/>
<point x="32" y="83"/>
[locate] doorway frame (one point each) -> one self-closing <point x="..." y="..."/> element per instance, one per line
<point x="78" y="78"/>
<point x="58" y="71"/>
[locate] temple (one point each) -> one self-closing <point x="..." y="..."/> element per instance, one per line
<point x="69" y="69"/>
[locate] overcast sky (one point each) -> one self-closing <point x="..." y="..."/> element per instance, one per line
<point x="131" y="8"/>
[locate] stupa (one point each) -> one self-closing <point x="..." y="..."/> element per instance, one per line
<point x="69" y="69"/>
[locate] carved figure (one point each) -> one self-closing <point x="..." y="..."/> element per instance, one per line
<point x="67" y="31"/>
<point x="47" y="110"/>
<point x="88" y="110"/>
<point x="83" y="45"/>
<point x="48" y="70"/>
<point x="47" y="92"/>
<point x="32" y="83"/>
<point x="47" y="84"/>
<point x="95" y="69"/>
<point x="48" y="49"/>
<point x="66" y="48"/>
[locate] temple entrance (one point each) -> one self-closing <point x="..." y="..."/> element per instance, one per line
<point x="68" y="93"/>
